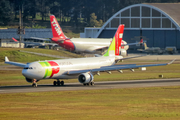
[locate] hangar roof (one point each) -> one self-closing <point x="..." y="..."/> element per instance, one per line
<point x="172" y="9"/>
<point x="146" y="16"/>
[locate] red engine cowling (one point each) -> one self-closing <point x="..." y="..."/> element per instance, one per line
<point x="85" y="78"/>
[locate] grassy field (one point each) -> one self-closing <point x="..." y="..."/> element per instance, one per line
<point x="150" y="103"/>
<point x="160" y="103"/>
<point x="14" y="54"/>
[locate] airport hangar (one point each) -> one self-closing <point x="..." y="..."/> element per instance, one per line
<point x="157" y="23"/>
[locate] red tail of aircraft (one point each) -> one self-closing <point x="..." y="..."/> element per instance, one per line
<point x="118" y="38"/>
<point x="56" y="29"/>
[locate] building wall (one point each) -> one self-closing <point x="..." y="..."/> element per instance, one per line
<point x="8" y="43"/>
<point x="153" y="38"/>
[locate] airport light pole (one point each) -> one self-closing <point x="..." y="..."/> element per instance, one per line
<point x="20" y="28"/>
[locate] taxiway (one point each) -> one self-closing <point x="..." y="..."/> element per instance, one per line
<point x="98" y="85"/>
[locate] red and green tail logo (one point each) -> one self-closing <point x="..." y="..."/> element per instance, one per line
<point x="51" y="68"/>
<point x="116" y="42"/>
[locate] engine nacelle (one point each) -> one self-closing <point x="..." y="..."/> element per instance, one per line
<point x="85" y="78"/>
<point x="122" y="52"/>
<point x="29" y="80"/>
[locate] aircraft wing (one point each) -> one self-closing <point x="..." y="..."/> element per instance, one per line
<point x="119" y="58"/>
<point x="40" y="39"/>
<point x="116" y="67"/>
<point x="14" y="63"/>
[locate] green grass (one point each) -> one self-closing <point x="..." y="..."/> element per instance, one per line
<point x="160" y="103"/>
<point x="14" y="54"/>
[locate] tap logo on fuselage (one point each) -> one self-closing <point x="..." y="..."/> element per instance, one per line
<point x="51" y="68"/>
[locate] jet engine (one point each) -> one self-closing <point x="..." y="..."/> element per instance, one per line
<point x="85" y="78"/>
<point x="29" y="80"/>
<point x="123" y="52"/>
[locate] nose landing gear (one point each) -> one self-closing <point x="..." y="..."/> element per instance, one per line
<point x="34" y="83"/>
<point x="58" y="83"/>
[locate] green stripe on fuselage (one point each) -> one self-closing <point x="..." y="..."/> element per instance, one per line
<point x="48" y="69"/>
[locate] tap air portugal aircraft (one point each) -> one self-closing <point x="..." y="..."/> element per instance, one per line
<point x="83" y="69"/>
<point x="82" y="45"/>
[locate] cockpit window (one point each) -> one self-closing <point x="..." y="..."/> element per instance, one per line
<point x="28" y="68"/>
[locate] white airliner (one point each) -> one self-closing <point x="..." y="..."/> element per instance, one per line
<point x="82" y="45"/>
<point x="82" y="68"/>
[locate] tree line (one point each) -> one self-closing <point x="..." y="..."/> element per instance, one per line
<point x="76" y="12"/>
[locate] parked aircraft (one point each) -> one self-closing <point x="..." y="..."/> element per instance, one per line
<point x="82" y="68"/>
<point x="152" y="50"/>
<point x="81" y="45"/>
<point x="158" y="50"/>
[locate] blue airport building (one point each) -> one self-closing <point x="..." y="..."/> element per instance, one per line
<point x="156" y="23"/>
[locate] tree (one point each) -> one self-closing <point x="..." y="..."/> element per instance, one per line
<point x="5" y="12"/>
<point x="94" y="22"/>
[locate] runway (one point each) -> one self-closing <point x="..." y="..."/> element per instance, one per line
<point x="98" y="85"/>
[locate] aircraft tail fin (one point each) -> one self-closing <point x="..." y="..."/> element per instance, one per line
<point x="113" y="49"/>
<point x="14" y="39"/>
<point x="145" y="46"/>
<point x="141" y="41"/>
<point x="56" y="29"/>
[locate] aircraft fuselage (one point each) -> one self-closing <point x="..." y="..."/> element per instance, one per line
<point x="58" y="69"/>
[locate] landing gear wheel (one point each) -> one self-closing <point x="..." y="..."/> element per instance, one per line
<point x="62" y="83"/>
<point x="34" y="84"/>
<point x="92" y="83"/>
<point x="89" y="84"/>
<point x="58" y="83"/>
<point x="54" y="83"/>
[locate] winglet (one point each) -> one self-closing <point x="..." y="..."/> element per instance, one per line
<point x="171" y="62"/>
<point x="6" y="59"/>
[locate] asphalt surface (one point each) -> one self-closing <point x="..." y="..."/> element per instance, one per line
<point x="98" y="85"/>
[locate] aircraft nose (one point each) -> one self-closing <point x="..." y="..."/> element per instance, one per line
<point x="25" y="73"/>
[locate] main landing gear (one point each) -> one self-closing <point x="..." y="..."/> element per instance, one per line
<point x="89" y="84"/>
<point x="58" y="83"/>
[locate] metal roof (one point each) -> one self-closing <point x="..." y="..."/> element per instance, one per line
<point x="167" y="10"/>
<point x="41" y="33"/>
<point x="172" y="9"/>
